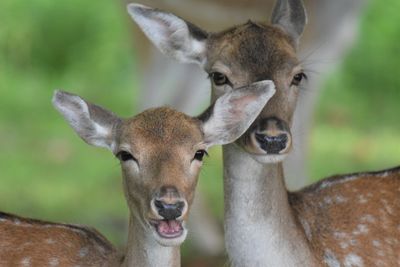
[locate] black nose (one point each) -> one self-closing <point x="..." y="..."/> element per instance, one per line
<point x="169" y="211"/>
<point x="272" y="144"/>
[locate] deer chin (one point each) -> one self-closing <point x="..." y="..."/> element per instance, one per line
<point x="269" y="158"/>
<point x="169" y="232"/>
<point x="261" y="155"/>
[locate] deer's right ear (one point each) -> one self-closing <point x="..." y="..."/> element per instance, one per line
<point x="234" y="112"/>
<point x="171" y="34"/>
<point x="92" y="123"/>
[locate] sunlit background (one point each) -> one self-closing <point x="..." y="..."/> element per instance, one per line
<point x="86" y="47"/>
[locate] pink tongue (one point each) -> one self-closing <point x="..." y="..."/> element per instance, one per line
<point x="169" y="227"/>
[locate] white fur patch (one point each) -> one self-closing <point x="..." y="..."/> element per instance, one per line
<point x="330" y="259"/>
<point x="353" y="260"/>
<point x="54" y="262"/>
<point x="26" y="262"/>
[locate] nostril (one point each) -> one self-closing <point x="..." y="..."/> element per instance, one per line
<point x="272" y="144"/>
<point x="180" y="205"/>
<point x="282" y="138"/>
<point x="159" y="205"/>
<point x="261" y="138"/>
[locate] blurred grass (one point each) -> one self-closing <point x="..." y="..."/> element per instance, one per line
<point x="47" y="172"/>
<point x="357" y="125"/>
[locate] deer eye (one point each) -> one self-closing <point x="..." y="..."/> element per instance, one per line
<point x="218" y="78"/>
<point x="125" y="156"/>
<point x="200" y="154"/>
<point x="298" y="78"/>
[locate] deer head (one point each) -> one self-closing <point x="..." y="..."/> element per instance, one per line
<point x="239" y="56"/>
<point x="161" y="150"/>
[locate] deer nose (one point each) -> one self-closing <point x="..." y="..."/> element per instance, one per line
<point x="272" y="144"/>
<point x="169" y="211"/>
<point x="272" y="135"/>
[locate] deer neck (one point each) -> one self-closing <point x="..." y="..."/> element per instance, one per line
<point x="260" y="229"/>
<point x="143" y="250"/>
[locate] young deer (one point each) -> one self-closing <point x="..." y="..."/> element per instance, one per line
<point x="161" y="152"/>
<point x="347" y="220"/>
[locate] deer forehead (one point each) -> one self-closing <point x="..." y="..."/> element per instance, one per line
<point x="257" y="49"/>
<point x="161" y="129"/>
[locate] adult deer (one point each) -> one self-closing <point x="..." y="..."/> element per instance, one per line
<point x="328" y="37"/>
<point x="348" y="220"/>
<point x="161" y="152"/>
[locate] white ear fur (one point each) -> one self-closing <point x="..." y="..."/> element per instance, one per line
<point x="234" y="112"/>
<point x="170" y="34"/>
<point x="95" y="129"/>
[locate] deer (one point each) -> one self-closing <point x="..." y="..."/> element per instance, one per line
<point x="328" y="37"/>
<point x="161" y="152"/>
<point x="344" y="220"/>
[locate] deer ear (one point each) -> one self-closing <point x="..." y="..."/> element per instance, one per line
<point x="291" y="16"/>
<point x="171" y="34"/>
<point x="92" y="123"/>
<point x="234" y="112"/>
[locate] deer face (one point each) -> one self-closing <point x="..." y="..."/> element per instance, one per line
<point x="161" y="150"/>
<point x="240" y="56"/>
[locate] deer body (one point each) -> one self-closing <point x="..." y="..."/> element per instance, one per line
<point x="346" y="220"/>
<point x="161" y="152"/>
<point x="27" y="242"/>
<point x="326" y="224"/>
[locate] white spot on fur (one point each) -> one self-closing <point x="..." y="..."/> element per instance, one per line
<point x="339" y="235"/>
<point x="17" y="222"/>
<point x="340" y="199"/>
<point x="353" y="260"/>
<point x="361" y="229"/>
<point x="328" y="200"/>
<point x="376" y="243"/>
<point x="306" y="227"/>
<point x="50" y="241"/>
<point x="368" y="218"/>
<point x="54" y="262"/>
<point x="362" y="199"/>
<point x="26" y="262"/>
<point x="344" y="245"/>
<point x="330" y="259"/>
<point x="83" y="252"/>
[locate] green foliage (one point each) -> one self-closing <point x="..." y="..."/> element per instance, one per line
<point x="358" y="124"/>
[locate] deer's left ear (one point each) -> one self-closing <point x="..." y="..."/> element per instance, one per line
<point x="234" y="112"/>
<point x="94" y="124"/>
<point x="170" y="34"/>
<point x="291" y="16"/>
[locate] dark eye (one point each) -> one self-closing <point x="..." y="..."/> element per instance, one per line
<point x="125" y="156"/>
<point x="298" y="78"/>
<point x="200" y="154"/>
<point x="218" y="78"/>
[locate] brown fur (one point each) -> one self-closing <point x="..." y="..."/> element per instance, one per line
<point x="39" y="243"/>
<point x="357" y="213"/>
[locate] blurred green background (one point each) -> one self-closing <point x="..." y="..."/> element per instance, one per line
<point x="86" y="47"/>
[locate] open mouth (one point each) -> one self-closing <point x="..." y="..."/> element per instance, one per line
<point x="168" y="228"/>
